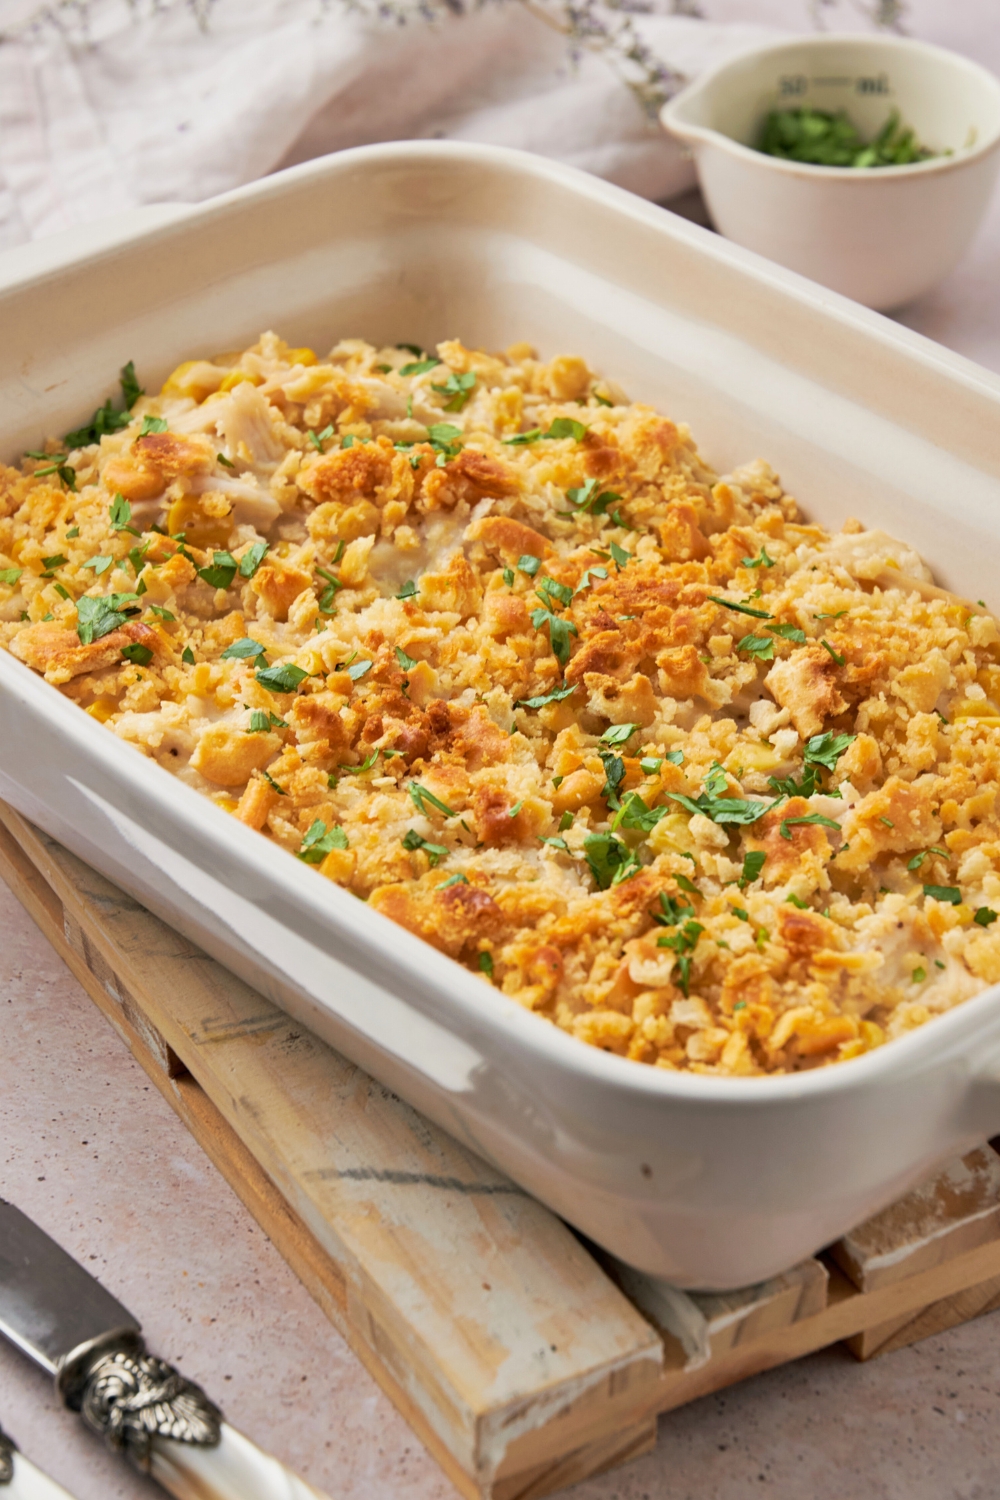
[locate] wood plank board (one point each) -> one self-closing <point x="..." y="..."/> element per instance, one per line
<point x="522" y="1361"/>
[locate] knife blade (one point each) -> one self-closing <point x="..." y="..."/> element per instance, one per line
<point x="59" y="1315"/>
<point x="20" y="1480"/>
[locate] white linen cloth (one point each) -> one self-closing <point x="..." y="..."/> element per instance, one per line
<point x="156" y="108"/>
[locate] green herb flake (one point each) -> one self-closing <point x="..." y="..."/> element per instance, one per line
<point x="548" y="589"/>
<point x="840" y="660"/>
<point x="508" y="577"/>
<point x="559" y="632"/>
<point x="816" y="818"/>
<point x="567" y="427"/>
<point x="140" y="655"/>
<point x="566" y="821"/>
<point x="152" y="424"/>
<point x="358" y="669"/>
<point x="319" y="841"/>
<point x="753" y="862"/>
<point x="825" y="139"/>
<point x="984" y="916"/>
<point x="99" y="564"/>
<point x="419" y="366"/>
<point x="164" y="614"/>
<point x="252" y="559"/>
<point x="650" y="765"/>
<point x="760" y="561"/>
<point x="609" y="860"/>
<point x="556" y="696"/>
<point x="918" y="975"/>
<point x="950" y="894"/>
<point x="131" y="389"/>
<point x="226" y="463"/>
<point x="759" y="646"/>
<point x="826" y="749"/>
<point x="187" y="656"/>
<point x="458" y="879"/>
<point x="435" y="852"/>
<point x="241" y="649"/>
<point x="619" y="556"/>
<point x="618" y="734"/>
<point x="742" y="609"/>
<point x="521" y="439"/>
<point x="285" y="678"/>
<point x="273" y="784"/>
<point x="529" y="564"/>
<point x="834" y="616"/>
<point x="220" y="572"/>
<point x="486" y="965"/>
<point x="10" y="575"/>
<point x="458" y="389"/>
<point x="260" y="722"/>
<point x="406" y="662"/>
<point x="422" y="798"/>
<point x="408" y="591"/>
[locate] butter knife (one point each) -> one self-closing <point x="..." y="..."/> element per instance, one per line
<point x="57" y="1314"/>
<point x="20" y="1480"/>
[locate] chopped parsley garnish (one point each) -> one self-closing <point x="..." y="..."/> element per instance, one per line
<point x="794" y="900"/>
<point x="317" y="439"/>
<point x="520" y="439"/>
<point x="683" y="943"/>
<point x="566" y="821"/>
<point x="918" y="975"/>
<point x="826" y="749"/>
<point x="742" y="609"/>
<point x="99" y="564"/>
<point x="817" y="818"/>
<point x="675" y="757"/>
<point x="620" y="557"/>
<point x="252" y="559"/>
<point x="220" y="572"/>
<point x="406" y="662"/>
<point x="458" y="879"/>
<point x="634" y="812"/>
<point x="140" y="655"/>
<point x="260" y="722"/>
<point x="358" y="669"/>
<point x="320" y="841"/>
<point x="98" y="617"/>
<point x="672" y="911"/>
<point x="187" y="655"/>
<point x="408" y="591"/>
<point x="548" y="589"/>
<point x="164" y="614"/>
<point x="508" y="577"/>
<point x="273" y="784"/>
<point x="418" y="366"/>
<point x="458" y="389"/>
<point x="435" y="852"/>
<point x="421" y="797"/>
<point x="760" y="646"/>
<point x="57" y="465"/>
<point x="486" y="965"/>
<point x="556" y="696"/>
<point x="512" y="812"/>
<point x="984" y="916"/>
<point x="614" y="771"/>
<point x="586" y="500"/>
<point x="65" y="593"/>
<point x="840" y="660"/>
<point x="753" y="862"/>
<point x="226" y="463"/>
<point x="131" y="389"/>
<point x="834" y="616"/>
<point x="556" y="843"/>
<point x="826" y="139"/>
<point x="588" y="577"/>
<point x="365" y="765"/>
<point x="789" y="633"/>
<point x="559" y="632"/>
<point x="73" y="531"/>
<point x="618" y="734"/>
<point x="918" y="859"/>
<point x="760" y="561"/>
<point x="718" y="808"/>
<point x="120" y="514"/>
<point x="566" y="427"/>
<point x="10" y="575"/>
<point x="529" y="564"/>
<point x="281" y="679"/>
<point x="610" y="860"/>
<point x="443" y="437"/>
<point x="740" y="912"/>
<point x="105" y="418"/>
<point x="242" y="648"/>
<point x="950" y="894"/>
<point x="152" y="424"/>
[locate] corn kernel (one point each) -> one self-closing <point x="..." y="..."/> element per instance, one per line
<point x="186" y="515"/>
<point x="194" y="378"/>
<point x="237" y="377"/>
<point x="301" y="357"/>
<point x="102" y="708"/>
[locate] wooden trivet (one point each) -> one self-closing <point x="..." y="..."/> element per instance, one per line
<point x="520" y="1360"/>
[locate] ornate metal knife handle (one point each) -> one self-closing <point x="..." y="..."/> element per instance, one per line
<point x="128" y="1397"/>
<point x="8" y="1448"/>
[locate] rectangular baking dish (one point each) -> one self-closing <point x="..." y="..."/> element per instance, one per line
<point x="712" y="1183"/>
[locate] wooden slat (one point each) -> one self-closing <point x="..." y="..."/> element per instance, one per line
<point x="483" y="1317"/>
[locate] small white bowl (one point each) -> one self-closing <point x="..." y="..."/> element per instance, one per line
<point x="882" y="235"/>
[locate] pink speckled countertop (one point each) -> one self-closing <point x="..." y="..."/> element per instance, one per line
<point x="90" y="1149"/>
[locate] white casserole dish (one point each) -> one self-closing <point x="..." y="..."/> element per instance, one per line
<point x="712" y="1183"/>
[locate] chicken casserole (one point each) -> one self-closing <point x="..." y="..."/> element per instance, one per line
<point x="493" y="648"/>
